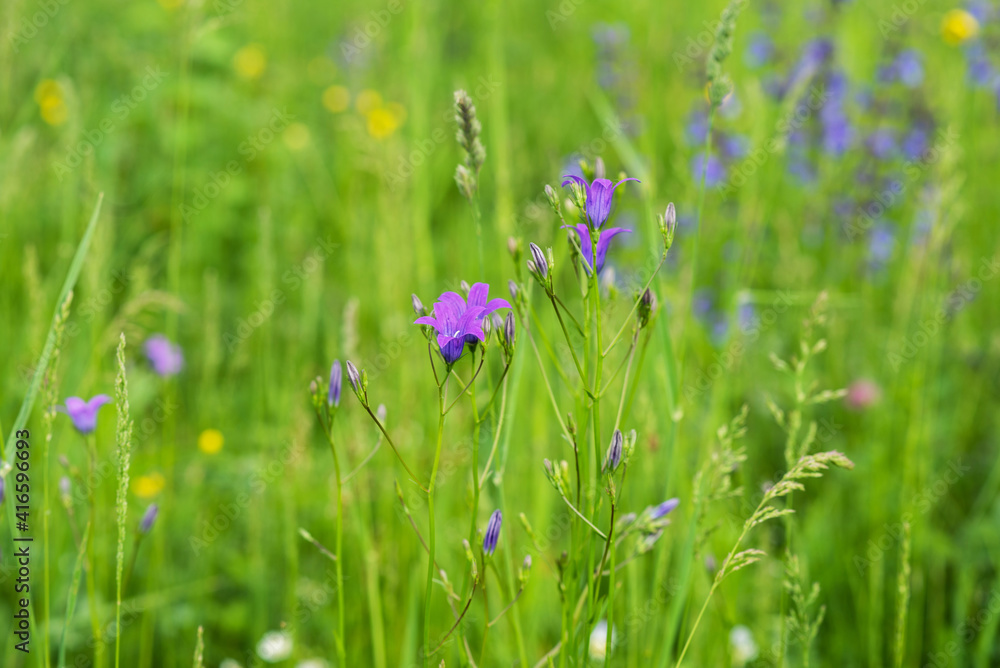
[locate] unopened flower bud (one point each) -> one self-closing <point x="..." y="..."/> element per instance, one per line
<point x="354" y="376"/>
<point x="614" y="455"/>
<point x="538" y="257"/>
<point x="148" y="518"/>
<point x="508" y="330"/>
<point x="418" y="306"/>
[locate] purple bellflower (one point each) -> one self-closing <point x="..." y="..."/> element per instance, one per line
<point x="457" y="322"/>
<point x="599" y="194"/>
<point x="84" y="413"/>
<point x="492" y="532"/>
<point x="603" y="240"/>
<point x="166" y="357"/>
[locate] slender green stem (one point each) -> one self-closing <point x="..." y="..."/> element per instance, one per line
<point x="388" y="439"/>
<point x="95" y="622"/>
<point x="569" y="342"/>
<point x="635" y="306"/>
<point x="431" y="534"/>
<point x="583" y="517"/>
<point x="340" y="639"/>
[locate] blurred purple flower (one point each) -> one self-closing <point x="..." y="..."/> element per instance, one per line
<point x="656" y="512"/>
<point x="914" y="143"/>
<point x="165" y="357"/>
<point x="336" y="384"/>
<point x="881" y="244"/>
<point x="882" y="143"/>
<point x="84" y="413"/>
<point x="696" y="129"/>
<point x="909" y="66"/>
<point x="148" y="518"/>
<point x="759" y="51"/>
<point x="714" y="171"/>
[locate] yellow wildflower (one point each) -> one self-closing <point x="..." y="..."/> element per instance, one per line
<point x="250" y="62"/>
<point x="148" y="486"/>
<point x="336" y="98"/>
<point x="368" y="101"/>
<point x="210" y="441"/>
<point x="296" y="137"/>
<point x="381" y="123"/>
<point x="959" y="26"/>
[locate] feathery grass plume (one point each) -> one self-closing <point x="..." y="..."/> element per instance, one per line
<point x="719" y="84"/>
<point x="809" y="466"/>
<point x="124" y="455"/>
<point x="469" y="129"/>
<point x="50" y="400"/>
<point x="199" y="649"/>
<point x="801" y="622"/>
<point x="903" y="602"/>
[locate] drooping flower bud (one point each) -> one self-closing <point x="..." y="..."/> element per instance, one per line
<point x="647" y="306"/>
<point x="354" y="376"/>
<point x="418" y="306"/>
<point x="538" y="257"/>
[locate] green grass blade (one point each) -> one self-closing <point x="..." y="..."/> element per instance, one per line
<point x="71" y="599"/>
<point x="50" y="340"/>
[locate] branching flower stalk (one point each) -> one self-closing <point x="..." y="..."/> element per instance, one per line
<point x="809" y="466"/>
<point x="592" y="547"/>
<point x="326" y="401"/>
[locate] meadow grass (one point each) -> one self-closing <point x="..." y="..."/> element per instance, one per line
<point x="267" y="185"/>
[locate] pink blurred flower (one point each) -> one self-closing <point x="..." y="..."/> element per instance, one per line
<point x="862" y="394"/>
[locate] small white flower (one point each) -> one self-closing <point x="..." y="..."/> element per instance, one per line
<point x="275" y="646"/>
<point x="312" y="663"/>
<point x="599" y="640"/>
<point x="744" y="648"/>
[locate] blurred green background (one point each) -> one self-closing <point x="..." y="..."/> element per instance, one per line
<point x="278" y="179"/>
